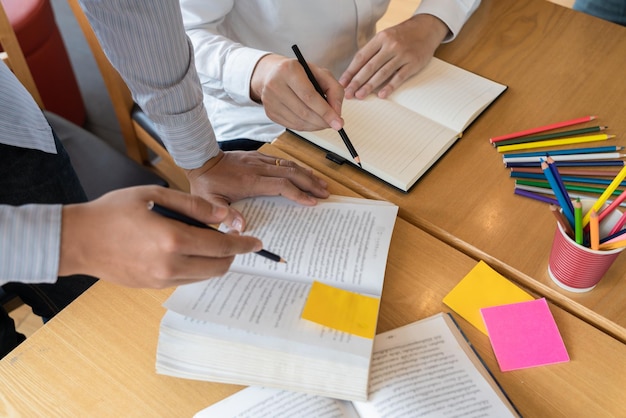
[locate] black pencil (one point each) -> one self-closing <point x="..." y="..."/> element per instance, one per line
<point x="309" y="73"/>
<point x="171" y="214"/>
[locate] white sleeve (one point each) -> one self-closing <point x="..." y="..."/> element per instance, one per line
<point x="225" y="67"/>
<point x="454" y="13"/>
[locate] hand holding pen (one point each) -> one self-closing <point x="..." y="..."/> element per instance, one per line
<point x="311" y="77"/>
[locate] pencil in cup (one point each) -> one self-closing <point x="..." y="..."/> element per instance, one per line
<point x="576" y="267"/>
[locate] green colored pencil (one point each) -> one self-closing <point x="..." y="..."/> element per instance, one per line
<point x="572" y="187"/>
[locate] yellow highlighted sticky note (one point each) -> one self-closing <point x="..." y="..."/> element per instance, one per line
<point x="342" y="310"/>
<point x="483" y="287"/>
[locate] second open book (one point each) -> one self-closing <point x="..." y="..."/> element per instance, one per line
<point x="246" y="326"/>
<point x="399" y="138"/>
<point x="423" y="369"/>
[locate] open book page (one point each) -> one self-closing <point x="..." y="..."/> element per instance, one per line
<point x="449" y="95"/>
<point x="394" y="143"/>
<point x="421" y="369"/>
<point x="257" y="402"/>
<point x="337" y="242"/>
<point x="261" y="311"/>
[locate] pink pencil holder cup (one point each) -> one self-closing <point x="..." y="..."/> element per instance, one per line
<point x="577" y="268"/>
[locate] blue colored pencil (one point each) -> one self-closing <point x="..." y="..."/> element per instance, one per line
<point x="563" y="199"/>
<point x="559" y="181"/>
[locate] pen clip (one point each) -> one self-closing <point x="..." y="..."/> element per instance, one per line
<point x="337" y="159"/>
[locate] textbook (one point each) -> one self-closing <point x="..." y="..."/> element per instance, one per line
<point x="247" y="327"/>
<point x="399" y="138"/>
<point x="424" y="369"/>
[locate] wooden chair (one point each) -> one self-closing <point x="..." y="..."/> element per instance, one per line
<point x="139" y="135"/>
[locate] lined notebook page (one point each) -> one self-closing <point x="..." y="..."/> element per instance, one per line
<point x="393" y="142"/>
<point x="447" y="94"/>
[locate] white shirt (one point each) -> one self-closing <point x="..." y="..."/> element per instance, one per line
<point x="146" y="41"/>
<point x="229" y="38"/>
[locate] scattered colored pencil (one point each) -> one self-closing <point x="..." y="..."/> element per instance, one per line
<point x="536" y="196"/>
<point x="543" y="128"/>
<point x="570" y="171"/>
<point x="569" y="151"/>
<point x="555" y="135"/>
<point x="556" y="142"/>
<point x="570" y="179"/>
<point x="546" y="190"/>
<point x="590" y="163"/>
<point x="568" y="187"/>
<point x="571" y="157"/>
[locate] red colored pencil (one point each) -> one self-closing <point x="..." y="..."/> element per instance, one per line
<point x="542" y="129"/>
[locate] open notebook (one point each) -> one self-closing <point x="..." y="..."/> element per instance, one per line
<point x="401" y="137"/>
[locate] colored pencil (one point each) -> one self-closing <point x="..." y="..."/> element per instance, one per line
<point x="605" y="195"/>
<point x="561" y="220"/>
<point x="171" y="214"/>
<point x="570" y="171"/>
<point x="613" y="246"/>
<point x="612" y="206"/>
<point x="556" y="142"/>
<point x="555" y="135"/>
<point x="570" y="157"/>
<point x="590" y="163"/>
<point x="317" y="87"/>
<point x="559" y="192"/>
<point x="570" y="179"/>
<point x="568" y="187"/>
<point x="569" y="151"/>
<point x="611" y="237"/>
<point x="618" y="226"/>
<point x="546" y="190"/>
<point x="578" y="222"/>
<point x="559" y="181"/>
<point x="594" y="230"/>
<point x="535" y="196"/>
<point x="614" y="239"/>
<point x="544" y="128"/>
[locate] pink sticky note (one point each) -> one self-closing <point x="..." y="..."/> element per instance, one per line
<point x="524" y="335"/>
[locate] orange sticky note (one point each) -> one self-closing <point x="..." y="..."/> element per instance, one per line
<point x="342" y="310"/>
<point x="483" y="287"/>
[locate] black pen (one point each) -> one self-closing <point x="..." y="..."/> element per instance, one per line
<point x="309" y="74"/>
<point x="171" y="214"/>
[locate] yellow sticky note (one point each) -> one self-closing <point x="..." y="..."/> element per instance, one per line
<point x="483" y="287"/>
<point x="342" y="310"/>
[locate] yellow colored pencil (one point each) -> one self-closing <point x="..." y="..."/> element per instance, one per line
<point x="606" y="194"/>
<point x="613" y="245"/>
<point x="594" y="231"/>
<point x="555" y="142"/>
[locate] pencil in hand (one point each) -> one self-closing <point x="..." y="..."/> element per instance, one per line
<point x="171" y="214"/>
<point x="309" y="73"/>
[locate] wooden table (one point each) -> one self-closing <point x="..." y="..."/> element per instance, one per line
<point x="558" y="64"/>
<point x="97" y="357"/>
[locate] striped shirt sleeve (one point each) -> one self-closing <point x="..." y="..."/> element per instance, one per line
<point x="146" y="42"/>
<point x="29" y="243"/>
